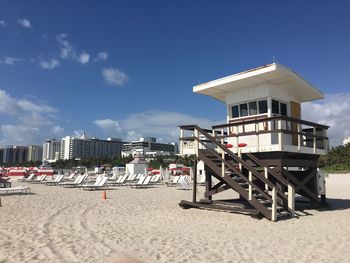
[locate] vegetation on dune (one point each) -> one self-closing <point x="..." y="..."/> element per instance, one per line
<point x="337" y="159"/>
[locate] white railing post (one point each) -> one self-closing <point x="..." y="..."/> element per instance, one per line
<point x="239" y="156"/>
<point x="291" y="199"/>
<point x="181" y="142"/>
<point x="257" y="137"/>
<point x="250" y="193"/>
<point x="325" y="142"/>
<point x="222" y="154"/>
<point x="299" y="136"/>
<point x="267" y="177"/>
<point x="280" y="135"/>
<point x="196" y="142"/>
<point x="314" y="138"/>
<point x="274" y="204"/>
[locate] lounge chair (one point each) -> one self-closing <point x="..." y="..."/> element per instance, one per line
<point x="139" y="182"/>
<point x="98" y="185"/>
<point x="131" y="178"/>
<point x="98" y="178"/>
<point x="70" y="177"/>
<point x="120" y="181"/>
<point x="38" y="180"/>
<point x="29" y="178"/>
<point x="57" y="180"/>
<point x="143" y="182"/>
<point x="139" y="176"/>
<point x="114" y="177"/>
<point x="91" y="183"/>
<point x="76" y="183"/>
<point x="16" y="190"/>
<point x="155" y="179"/>
<point x="173" y="182"/>
<point x="183" y="183"/>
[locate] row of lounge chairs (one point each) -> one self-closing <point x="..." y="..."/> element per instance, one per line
<point x="102" y="181"/>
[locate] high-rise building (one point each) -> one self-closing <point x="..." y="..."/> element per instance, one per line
<point x="14" y="154"/>
<point x="83" y="148"/>
<point x="35" y="153"/>
<point x="51" y="150"/>
<point x="148" y="146"/>
<point x="1" y="154"/>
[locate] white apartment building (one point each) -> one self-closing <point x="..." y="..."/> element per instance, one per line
<point x="84" y="148"/>
<point x="148" y="146"/>
<point x="34" y="153"/>
<point x="51" y="150"/>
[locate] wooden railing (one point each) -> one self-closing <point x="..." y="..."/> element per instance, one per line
<point x="303" y="133"/>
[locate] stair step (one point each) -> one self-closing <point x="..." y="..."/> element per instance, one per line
<point x="284" y="215"/>
<point x="244" y="185"/>
<point x="279" y="208"/>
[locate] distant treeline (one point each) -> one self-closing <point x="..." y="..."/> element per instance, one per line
<point x="154" y="162"/>
<point x="337" y="159"/>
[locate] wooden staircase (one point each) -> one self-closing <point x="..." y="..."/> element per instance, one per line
<point x="263" y="190"/>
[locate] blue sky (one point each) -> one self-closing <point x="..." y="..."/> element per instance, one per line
<point x="126" y="68"/>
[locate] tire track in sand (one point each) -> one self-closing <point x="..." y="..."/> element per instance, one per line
<point x="48" y="232"/>
<point x="85" y="225"/>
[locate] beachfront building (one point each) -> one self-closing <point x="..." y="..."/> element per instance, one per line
<point x="84" y="148"/>
<point x="264" y="152"/>
<point x="51" y="150"/>
<point x="148" y="146"/>
<point x="14" y="154"/>
<point x="35" y="153"/>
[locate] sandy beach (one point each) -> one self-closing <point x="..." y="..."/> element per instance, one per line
<point x="70" y="225"/>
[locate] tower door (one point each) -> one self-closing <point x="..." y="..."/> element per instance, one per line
<point x="295" y="113"/>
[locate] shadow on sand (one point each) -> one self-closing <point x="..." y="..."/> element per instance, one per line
<point x="338" y="204"/>
<point x="333" y="204"/>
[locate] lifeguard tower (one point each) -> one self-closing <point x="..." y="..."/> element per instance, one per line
<point x="265" y="152"/>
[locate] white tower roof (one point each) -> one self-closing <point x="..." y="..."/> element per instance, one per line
<point x="282" y="76"/>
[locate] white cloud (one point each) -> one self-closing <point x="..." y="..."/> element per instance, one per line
<point x="24" y="22"/>
<point x="29" y="106"/>
<point x="109" y="126"/>
<point x="10" y="60"/>
<point x="101" y="56"/>
<point x="68" y="51"/>
<point x="18" y="134"/>
<point x="57" y="130"/>
<point x="49" y="64"/>
<point x="3" y="23"/>
<point x="66" y="48"/>
<point x="26" y="121"/>
<point x="84" y="58"/>
<point x="8" y="104"/>
<point x="334" y="111"/>
<point x="114" y="76"/>
<point x="160" y="124"/>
